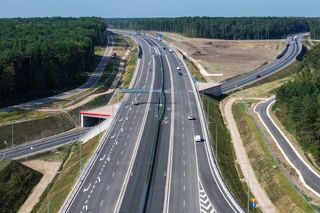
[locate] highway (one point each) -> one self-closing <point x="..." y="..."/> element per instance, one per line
<point x="133" y="172"/>
<point x="43" y="145"/>
<point x="195" y="183"/>
<point x="102" y="188"/>
<point x="184" y="178"/>
<point x="307" y="174"/>
<point x="265" y="71"/>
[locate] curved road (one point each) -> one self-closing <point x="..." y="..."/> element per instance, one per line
<point x="265" y="71"/>
<point x="307" y="175"/>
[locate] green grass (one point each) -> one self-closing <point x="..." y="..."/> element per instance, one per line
<point x="34" y="129"/>
<point x="16" y="183"/>
<point x="99" y="50"/>
<point x="108" y="75"/>
<point x="194" y="70"/>
<point x="63" y="183"/>
<point x="130" y="67"/>
<point x="96" y="102"/>
<point x="7" y="117"/>
<point x="267" y="169"/>
<point x="226" y="155"/>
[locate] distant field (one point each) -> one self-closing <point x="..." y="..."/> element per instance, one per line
<point x="228" y="57"/>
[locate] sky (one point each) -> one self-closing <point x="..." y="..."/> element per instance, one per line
<point x="157" y="8"/>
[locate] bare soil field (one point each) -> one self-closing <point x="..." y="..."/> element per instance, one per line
<point x="228" y="57"/>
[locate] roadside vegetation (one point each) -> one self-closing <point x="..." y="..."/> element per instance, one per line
<point x="58" y="190"/>
<point x="42" y="56"/>
<point x="16" y="183"/>
<point x="226" y="158"/>
<point x="194" y="70"/>
<point x="298" y="104"/>
<point x="33" y="125"/>
<point x="281" y="192"/>
<point x="38" y="128"/>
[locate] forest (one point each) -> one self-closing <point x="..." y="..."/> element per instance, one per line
<point x="298" y="103"/>
<point x="224" y="28"/>
<point x="40" y="55"/>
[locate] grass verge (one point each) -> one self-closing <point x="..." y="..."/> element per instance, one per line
<point x="58" y="190"/>
<point x="281" y="192"/>
<point x="34" y="129"/>
<point x="194" y="70"/>
<point x="16" y="183"/>
<point x="231" y="172"/>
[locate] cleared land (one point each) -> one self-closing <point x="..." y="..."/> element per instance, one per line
<point x="228" y="57"/>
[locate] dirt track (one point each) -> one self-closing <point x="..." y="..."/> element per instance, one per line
<point x="242" y="158"/>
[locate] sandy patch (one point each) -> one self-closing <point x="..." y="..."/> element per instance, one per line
<point x="228" y="57"/>
<point x="49" y="170"/>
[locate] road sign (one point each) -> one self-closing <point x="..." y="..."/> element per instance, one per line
<point x="253" y="203"/>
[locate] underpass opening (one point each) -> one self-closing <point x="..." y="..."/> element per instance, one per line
<point x="92" y="119"/>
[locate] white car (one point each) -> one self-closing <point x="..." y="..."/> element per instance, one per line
<point x="190" y="117"/>
<point x="197" y="138"/>
<point x="178" y="68"/>
<point x="170" y="50"/>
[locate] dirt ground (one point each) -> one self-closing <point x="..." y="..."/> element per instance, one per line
<point x="228" y="57"/>
<point x="49" y="170"/>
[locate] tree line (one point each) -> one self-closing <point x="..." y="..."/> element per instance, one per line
<point x="224" y="28"/>
<point x="298" y="101"/>
<point x="38" y="55"/>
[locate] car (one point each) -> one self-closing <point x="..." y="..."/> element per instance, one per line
<point x="178" y="68"/>
<point x="164" y="48"/>
<point x="180" y="73"/>
<point x="258" y="76"/>
<point x="190" y="117"/>
<point x="170" y="50"/>
<point x="197" y="138"/>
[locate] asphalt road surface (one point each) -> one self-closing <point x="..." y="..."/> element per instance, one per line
<point x="311" y="178"/>
<point x="265" y="71"/>
<point x="42" y="145"/>
<point x="103" y="188"/>
<point x="183" y="176"/>
<point x="183" y="179"/>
